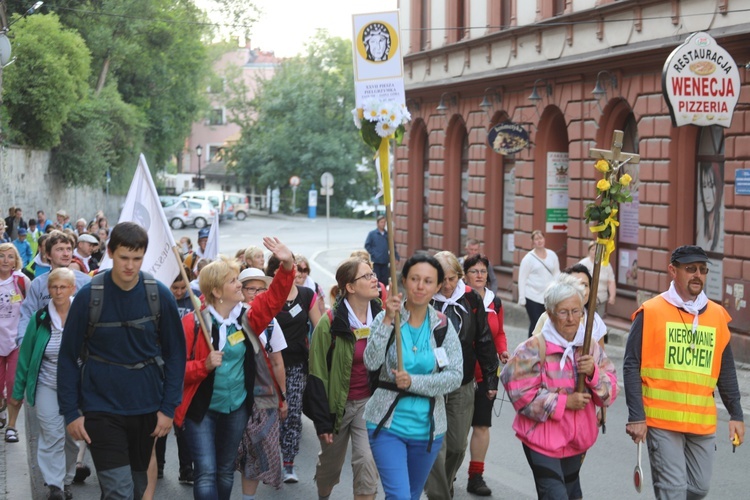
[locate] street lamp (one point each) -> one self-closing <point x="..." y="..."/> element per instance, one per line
<point x="199" y="153"/>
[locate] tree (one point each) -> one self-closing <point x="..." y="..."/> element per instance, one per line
<point x="300" y="123"/>
<point x="103" y="134"/>
<point x="152" y="50"/>
<point x="47" y="81"/>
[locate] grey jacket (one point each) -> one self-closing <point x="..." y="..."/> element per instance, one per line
<point x="437" y="383"/>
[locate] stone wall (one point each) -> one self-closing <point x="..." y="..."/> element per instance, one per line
<point x="26" y="182"/>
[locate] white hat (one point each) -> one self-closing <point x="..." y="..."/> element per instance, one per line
<point x="88" y="239"/>
<point x="252" y="273"/>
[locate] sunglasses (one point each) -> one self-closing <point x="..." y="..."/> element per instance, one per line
<point x="303" y="270"/>
<point x="693" y="269"/>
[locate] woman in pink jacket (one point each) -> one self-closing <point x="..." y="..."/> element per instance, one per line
<point x="556" y="424"/>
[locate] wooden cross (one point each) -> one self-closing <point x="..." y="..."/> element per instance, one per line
<point x="615" y="154"/>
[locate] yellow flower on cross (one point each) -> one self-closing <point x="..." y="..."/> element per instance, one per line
<point x="602" y="166"/>
<point x="603" y="185"/>
<point x="625" y="180"/>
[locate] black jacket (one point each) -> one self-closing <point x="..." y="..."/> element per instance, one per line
<point x="475" y="336"/>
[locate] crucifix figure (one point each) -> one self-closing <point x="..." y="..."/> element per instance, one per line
<point x="615" y="159"/>
<point x="615" y="155"/>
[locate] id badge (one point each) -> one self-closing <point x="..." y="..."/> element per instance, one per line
<point x="236" y="338"/>
<point x="441" y="357"/>
<point x="294" y="311"/>
<point x="15" y="297"/>
<point x="362" y="333"/>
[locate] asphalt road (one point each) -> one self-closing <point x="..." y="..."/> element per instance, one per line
<point x="608" y="468"/>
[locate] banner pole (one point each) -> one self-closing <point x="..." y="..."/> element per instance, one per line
<point x="195" y="300"/>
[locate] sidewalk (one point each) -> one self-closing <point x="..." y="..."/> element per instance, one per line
<point x="15" y="466"/>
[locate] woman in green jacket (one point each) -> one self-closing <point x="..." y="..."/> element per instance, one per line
<point x="36" y="375"/>
<point x="338" y="383"/>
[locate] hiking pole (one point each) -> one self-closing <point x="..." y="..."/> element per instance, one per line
<point x="195" y="300"/>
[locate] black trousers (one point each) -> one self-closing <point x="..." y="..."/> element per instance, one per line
<point x="383" y="272"/>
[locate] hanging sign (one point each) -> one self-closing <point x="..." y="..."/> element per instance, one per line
<point x="701" y="83"/>
<point x="378" y="62"/>
<point x="508" y="138"/>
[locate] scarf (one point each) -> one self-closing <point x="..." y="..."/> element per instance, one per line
<point x="489" y="296"/>
<point x="354" y="321"/>
<point x="55" y="319"/>
<point x="692" y="306"/>
<point x="550" y="334"/>
<point x="459" y="292"/>
<point x="232" y="319"/>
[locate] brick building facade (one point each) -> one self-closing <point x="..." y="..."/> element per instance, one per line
<point x="449" y="185"/>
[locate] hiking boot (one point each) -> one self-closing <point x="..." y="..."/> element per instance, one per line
<point x="55" y="493"/>
<point x="477" y="486"/>
<point x="186" y="476"/>
<point x="82" y="472"/>
<point x="289" y="475"/>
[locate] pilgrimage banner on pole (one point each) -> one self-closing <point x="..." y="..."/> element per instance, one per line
<point x="380" y="112"/>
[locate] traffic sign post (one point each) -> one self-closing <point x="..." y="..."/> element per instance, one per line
<point x="326" y="183"/>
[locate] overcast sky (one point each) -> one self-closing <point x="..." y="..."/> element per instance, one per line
<point x="285" y="25"/>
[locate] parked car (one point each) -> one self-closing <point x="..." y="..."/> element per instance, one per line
<point x="177" y="211"/>
<point x="203" y="212"/>
<point x="238" y="205"/>
<point x="216" y="198"/>
<point x="367" y="209"/>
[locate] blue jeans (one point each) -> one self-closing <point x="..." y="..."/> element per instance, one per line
<point x="403" y="463"/>
<point x="213" y="444"/>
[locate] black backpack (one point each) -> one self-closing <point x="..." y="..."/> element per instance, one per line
<point x="95" y="311"/>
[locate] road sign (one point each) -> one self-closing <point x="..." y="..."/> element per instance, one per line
<point x="326" y="180"/>
<point x="294" y="181"/>
<point x="324" y="191"/>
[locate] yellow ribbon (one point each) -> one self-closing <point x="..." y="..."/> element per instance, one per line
<point x="609" y="243"/>
<point x="384" y="170"/>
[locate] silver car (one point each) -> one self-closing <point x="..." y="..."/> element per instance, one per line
<point x="181" y="212"/>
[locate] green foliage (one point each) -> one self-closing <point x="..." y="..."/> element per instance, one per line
<point x="299" y="123"/>
<point x="47" y="81"/>
<point x="103" y="133"/>
<point x="156" y="59"/>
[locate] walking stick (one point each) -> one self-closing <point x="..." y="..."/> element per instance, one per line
<point x="195" y="300"/>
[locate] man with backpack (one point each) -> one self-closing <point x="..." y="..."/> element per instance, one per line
<point x="126" y="330"/>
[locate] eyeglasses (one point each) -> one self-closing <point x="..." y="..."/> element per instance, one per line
<point x="477" y="271"/>
<point x="59" y="288"/>
<point x="693" y="269"/>
<point x="252" y="289"/>
<point x="366" y="277"/>
<point x="573" y="313"/>
<point x="303" y="270"/>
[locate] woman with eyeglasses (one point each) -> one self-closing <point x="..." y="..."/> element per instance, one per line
<point x="299" y="313"/>
<point x="477" y="268"/>
<point x="259" y="456"/>
<point x="338" y="386"/>
<point x="555" y="424"/>
<point x="36" y="377"/>
<point x="465" y="310"/>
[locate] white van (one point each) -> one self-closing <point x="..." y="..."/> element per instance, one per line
<point x="217" y="199"/>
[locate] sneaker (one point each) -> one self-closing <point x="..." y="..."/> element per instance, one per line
<point x="478" y="487"/>
<point x="186" y="476"/>
<point x="82" y="472"/>
<point x="68" y="493"/>
<point x="55" y="493"/>
<point x="289" y="475"/>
